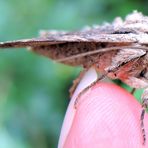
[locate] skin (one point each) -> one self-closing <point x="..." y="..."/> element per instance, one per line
<point x="107" y="116"/>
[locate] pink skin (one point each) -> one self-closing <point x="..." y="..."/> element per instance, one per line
<point x="107" y="116"/>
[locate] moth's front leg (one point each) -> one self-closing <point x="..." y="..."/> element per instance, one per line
<point x="99" y="78"/>
<point x="144" y="98"/>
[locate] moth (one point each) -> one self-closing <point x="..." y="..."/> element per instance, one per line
<point x="118" y="50"/>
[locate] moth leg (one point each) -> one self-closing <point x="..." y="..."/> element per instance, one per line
<point x="88" y="87"/>
<point x="144" y="107"/>
<point x="133" y="91"/>
<point x="76" y="82"/>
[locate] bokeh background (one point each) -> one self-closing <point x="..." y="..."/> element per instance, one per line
<point x="33" y="89"/>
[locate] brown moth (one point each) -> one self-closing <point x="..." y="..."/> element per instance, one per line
<point x="118" y="50"/>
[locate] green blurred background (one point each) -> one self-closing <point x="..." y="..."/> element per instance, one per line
<point x="33" y="99"/>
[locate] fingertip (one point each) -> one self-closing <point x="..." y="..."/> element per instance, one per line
<point x="106" y="116"/>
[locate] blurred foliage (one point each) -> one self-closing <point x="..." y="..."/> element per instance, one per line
<point x="33" y="98"/>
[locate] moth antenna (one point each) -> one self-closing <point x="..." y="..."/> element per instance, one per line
<point x="99" y="51"/>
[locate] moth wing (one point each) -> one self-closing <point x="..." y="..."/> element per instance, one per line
<point x="96" y="34"/>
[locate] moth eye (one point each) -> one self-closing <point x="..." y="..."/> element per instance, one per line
<point x="143" y="72"/>
<point x="115" y="74"/>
